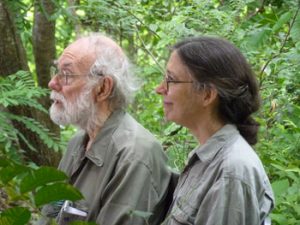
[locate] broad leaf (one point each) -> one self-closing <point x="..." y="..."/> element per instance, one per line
<point x="9" y="172"/>
<point x="15" y="216"/>
<point x="40" y="177"/>
<point x="56" y="192"/>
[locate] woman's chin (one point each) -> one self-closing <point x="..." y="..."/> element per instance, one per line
<point x="168" y="117"/>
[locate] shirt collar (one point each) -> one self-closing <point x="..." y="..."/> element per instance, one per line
<point x="98" y="149"/>
<point x="216" y="142"/>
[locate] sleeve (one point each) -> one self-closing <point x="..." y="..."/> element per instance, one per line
<point x="229" y="201"/>
<point x="132" y="190"/>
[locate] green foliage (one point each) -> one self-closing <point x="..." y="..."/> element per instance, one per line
<point x="267" y="32"/>
<point x="286" y="189"/>
<point x="16" y="90"/>
<point x="16" y="216"/>
<point x="37" y="178"/>
<point x="55" y="192"/>
<point x="31" y="187"/>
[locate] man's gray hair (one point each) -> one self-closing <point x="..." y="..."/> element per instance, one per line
<point x="111" y="61"/>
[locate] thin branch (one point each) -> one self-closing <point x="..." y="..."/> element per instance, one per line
<point x="281" y="48"/>
<point x="258" y="10"/>
<point x="150" y="53"/>
<point x="138" y="19"/>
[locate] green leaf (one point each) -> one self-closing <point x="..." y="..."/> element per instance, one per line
<point x="279" y="218"/>
<point x="9" y="172"/>
<point x="153" y="27"/>
<point x="4" y="162"/>
<point x="15" y="216"/>
<point x="295" y="32"/>
<point x="281" y="21"/>
<point x="258" y="38"/>
<point x="40" y="177"/>
<point x="280" y="186"/>
<point x="56" y="192"/>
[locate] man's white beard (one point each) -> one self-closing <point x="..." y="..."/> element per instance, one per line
<point x="79" y="113"/>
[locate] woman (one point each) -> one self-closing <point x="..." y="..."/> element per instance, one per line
<point x="210" y="88"/>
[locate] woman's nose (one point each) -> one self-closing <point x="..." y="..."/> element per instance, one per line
<point x="161" y="89"/>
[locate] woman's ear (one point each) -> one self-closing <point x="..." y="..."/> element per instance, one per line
<point x="210" y="95"/>
<point x="104" y="89"/>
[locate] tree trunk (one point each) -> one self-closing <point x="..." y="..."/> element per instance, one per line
<point x="12" y="54"/>
<point x="13" y="59"/>
<point x="43" y="36"/>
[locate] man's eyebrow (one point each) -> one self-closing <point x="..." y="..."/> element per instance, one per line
<point x="66" y="64"/>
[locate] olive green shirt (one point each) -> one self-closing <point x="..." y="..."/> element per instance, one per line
<point x="224" y="183"/>
<point x="124" y="172"/>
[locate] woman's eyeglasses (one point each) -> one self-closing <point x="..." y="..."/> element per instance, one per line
<point x="168" y="80"/>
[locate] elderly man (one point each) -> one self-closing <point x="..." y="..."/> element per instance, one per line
<point x="117" y="164"/>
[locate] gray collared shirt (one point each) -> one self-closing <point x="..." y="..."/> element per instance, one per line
<point x="224" y="183"/>
<point x="124" y="171"/>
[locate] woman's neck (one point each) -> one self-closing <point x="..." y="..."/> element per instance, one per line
<point x="204" y="129"/>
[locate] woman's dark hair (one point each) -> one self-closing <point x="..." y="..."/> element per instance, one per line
<point x="216" y="62"/>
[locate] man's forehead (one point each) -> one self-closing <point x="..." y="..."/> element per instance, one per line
<point x="74" y="57"/>
<point x="85" y="50"/>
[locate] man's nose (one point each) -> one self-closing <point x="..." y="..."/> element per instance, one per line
<point x="54" y="84"/>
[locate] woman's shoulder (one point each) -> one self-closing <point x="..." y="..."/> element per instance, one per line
<point x="241" y="162"/>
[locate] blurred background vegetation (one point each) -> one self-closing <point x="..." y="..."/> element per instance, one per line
<point x="34" y="33"/>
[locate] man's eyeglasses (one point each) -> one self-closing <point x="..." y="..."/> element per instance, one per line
<point x="168" y="80"/>
<point x="63" y="77"/>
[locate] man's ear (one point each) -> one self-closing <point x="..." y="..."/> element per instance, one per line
<point x="210" y="95"/>
<point x="104" y="89"/>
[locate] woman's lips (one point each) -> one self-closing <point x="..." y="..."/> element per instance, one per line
<point x="167" y="103"/>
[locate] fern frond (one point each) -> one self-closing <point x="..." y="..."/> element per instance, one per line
<point x="19" y="89"/>
<point x="47" y="137"/>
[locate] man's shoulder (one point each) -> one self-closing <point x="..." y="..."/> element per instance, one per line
<point x="132" y="138"/>
<point x="77" y="139"/>
<point x="131" y="128"/>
